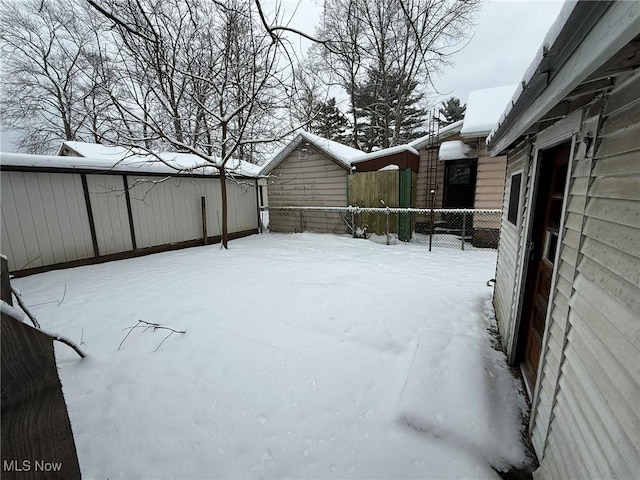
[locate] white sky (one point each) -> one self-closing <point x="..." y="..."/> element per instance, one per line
<point x="507" y="35"/>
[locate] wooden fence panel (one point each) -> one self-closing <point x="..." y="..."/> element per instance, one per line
<point x="37" y="440"/>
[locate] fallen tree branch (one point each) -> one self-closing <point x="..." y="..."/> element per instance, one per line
<point x="149" y="325"/>
<point x="36" y="324"/>
<point x="24" y="308"/>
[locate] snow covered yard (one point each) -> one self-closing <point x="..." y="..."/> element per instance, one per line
<point x="305" y="356"/>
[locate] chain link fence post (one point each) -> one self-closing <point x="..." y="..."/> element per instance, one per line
<point x="433" y="193"/>
<point x="464" y="229"/>
<point x="387" y="212"/>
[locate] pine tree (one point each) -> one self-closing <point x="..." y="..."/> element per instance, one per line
<point x="329" y="122"/>
<point x="451" y="111"/>
<point x="388" y="107"/>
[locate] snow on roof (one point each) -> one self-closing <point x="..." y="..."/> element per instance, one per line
<point x="343" y="154"/>
<point x="340" y="152"/>
<point x="444" y="132"/>
<point x="389" y="167"/>
<point x="384" y="153"/>
<point x="456" y="150"/>
<point x="97" y="150"/>
<point x="162" y="164"/>
<point x="123" y="158"/>
<point x="484" y="108"/>
<point x="529" y="73"/>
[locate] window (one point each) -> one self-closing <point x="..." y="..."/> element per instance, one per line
<point x="514" y="198"/>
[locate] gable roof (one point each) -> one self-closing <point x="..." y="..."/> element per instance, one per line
<point x="484" y="108"/>
<point x="584" y="36"/>
<point x="337" y="152"/>
<point x="444" y="132"/>
<point x="123" y="158"/>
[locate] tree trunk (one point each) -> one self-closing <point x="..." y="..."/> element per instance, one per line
<point x="224" y="235"/>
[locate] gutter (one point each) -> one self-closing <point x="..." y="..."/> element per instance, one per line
<point x="591" y="34"/>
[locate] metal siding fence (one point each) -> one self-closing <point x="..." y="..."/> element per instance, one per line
<point x="47" y="218"/>
<point x="466" y="229"/>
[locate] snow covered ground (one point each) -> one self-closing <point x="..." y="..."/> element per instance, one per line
<point x="305" y="356"/>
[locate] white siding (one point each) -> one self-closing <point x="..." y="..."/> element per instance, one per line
<point x="593" y="387"/>
<point x="315" y="181"/>
<point x="110" y="217"/>
<point x="44" y="219"/>
<point x="506" y="289"/>
<point x="170" y="211"/>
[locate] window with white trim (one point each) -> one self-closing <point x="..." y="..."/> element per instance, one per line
<point x="514" y="198"/>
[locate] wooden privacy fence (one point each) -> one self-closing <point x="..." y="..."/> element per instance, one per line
<point x="386" y="188"/>
<point x="37" y="440"/>
<point x="61" y="218"/>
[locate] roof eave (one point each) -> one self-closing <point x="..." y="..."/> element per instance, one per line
<point x="290" y="147"/>
<point x="444" y="132"/>
<point x="617" y="24"/>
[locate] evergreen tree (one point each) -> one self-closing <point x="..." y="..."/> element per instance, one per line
<point x="451" y="111"/>
<point x="329" y="122"/>
<point x="387" y="105"/>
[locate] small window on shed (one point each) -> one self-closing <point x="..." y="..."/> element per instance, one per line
<point x="514" y="198"/>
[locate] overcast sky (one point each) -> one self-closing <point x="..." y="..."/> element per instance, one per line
<point x="507" y="35"/>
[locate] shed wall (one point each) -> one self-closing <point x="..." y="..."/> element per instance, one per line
<point x="110" y="216"/>
<point x="511" y="236"/>
<point x="587" y="418"/>
<point x="316" y="181"/>
<point x="44" y="219"/>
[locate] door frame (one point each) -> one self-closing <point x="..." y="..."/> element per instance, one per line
<point x="564" y="131"/>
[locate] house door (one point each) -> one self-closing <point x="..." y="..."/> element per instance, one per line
<point x="542" y="252"/>
<point x="460" y="183"/>
<point x="459" y="192"/>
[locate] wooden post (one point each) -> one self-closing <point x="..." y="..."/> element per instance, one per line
<point x="6" y="286"/>
<point x="203" y="206"/>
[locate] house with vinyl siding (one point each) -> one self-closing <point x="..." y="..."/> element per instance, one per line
<point x="460" y="147"/>
<point x="567" y="290"/>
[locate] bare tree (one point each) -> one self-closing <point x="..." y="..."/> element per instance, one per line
<point x="343" y="53"/>
<point x="402" y="39"/>
<point x="47" y="79"/>
<point x="200" y="77"/>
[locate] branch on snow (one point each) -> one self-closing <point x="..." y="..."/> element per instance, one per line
<point x="153" y="326"/>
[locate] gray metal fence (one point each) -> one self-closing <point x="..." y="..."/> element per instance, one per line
<point x="466" y="229"/>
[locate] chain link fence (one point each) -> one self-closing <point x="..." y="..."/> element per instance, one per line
<point x="466" y="229"/>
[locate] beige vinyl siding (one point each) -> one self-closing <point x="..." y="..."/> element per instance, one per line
<point x="110" y="217"/>
<point x="44" y="219"/>
<point x="430" y="175"/>
<point x="505" y="291"/>
<point x="316" y="181"/>
<point x="594" y="386"/>
<point x="490" y="182"/>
